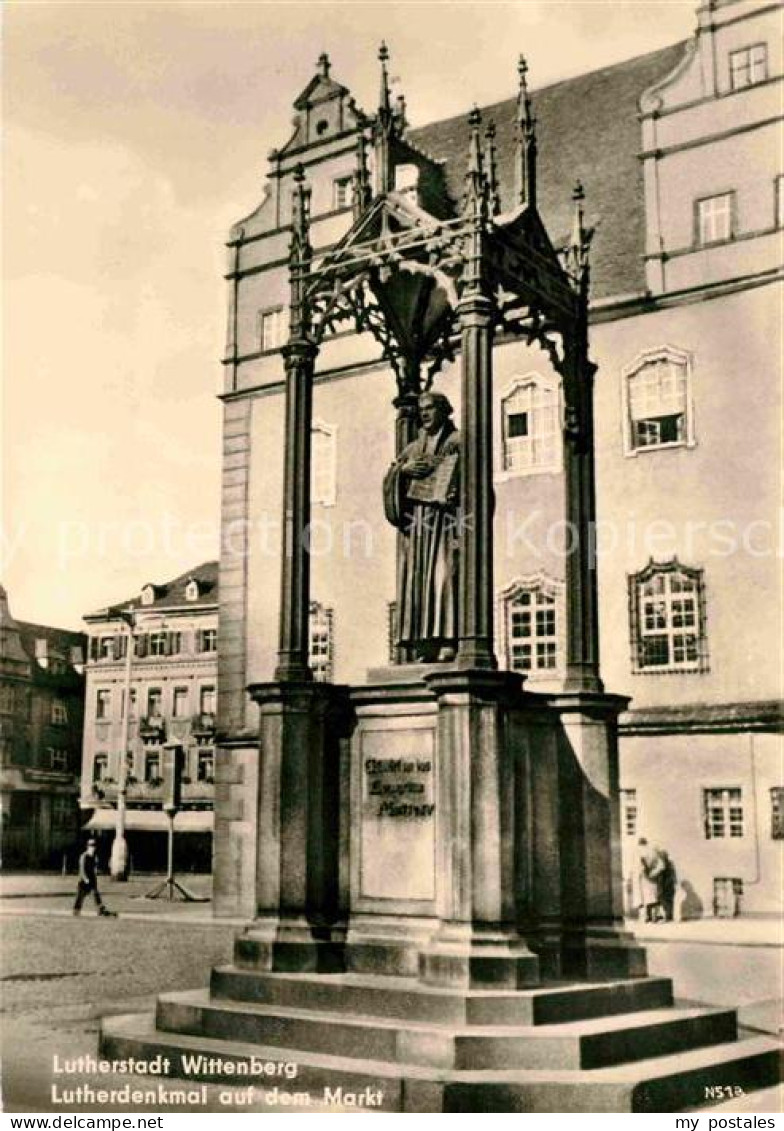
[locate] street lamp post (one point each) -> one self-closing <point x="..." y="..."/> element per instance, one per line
<point x="118" y="861"/>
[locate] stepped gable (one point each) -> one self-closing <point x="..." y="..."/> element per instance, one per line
<point x="578" y="120"/>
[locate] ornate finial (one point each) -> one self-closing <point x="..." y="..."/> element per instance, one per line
<point x="384" y="100"/>
<point x="476" y="185"/>
<point x="323" y="65"/>
<point x="526" y="140"/>
<point x="491" y="168"/>
<point x="580" y="240"/>
<point x="362" y="193"/>
<point x="300" y="215"/>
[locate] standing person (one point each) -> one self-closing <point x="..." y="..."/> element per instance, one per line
<point x="650" y="867"/>
<point x="666" y="884"/>
<point x="88" y="881"/>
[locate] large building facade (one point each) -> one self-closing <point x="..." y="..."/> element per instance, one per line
<point x="153" y="655"/>
<point x="678" y="152"/>
<point x="41" y="709"/>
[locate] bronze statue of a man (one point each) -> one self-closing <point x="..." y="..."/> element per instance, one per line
<point x="421" y="494"/>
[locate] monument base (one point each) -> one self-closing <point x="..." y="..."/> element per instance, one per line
<point x="613" y="1046"/>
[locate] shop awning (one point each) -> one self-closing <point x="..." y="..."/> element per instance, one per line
<point x="153" y="820"/>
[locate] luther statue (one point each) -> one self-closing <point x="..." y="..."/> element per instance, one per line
<point x="421" y="494"/>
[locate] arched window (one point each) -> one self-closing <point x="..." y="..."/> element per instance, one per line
<point x="532" y="626"/>
<point x="667" y="614"/>
<point x="322" y="645"/>
<point x="323" y="467"/>
<point x="657" y="401"/>
<point x="531" y="434"/>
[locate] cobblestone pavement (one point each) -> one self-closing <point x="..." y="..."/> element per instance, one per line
<point x="61" y="976"/>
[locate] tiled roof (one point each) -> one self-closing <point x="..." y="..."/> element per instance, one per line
<point x="588" y="130"/>
<point x="170" y="594"/>
<point x="59" y="639"/>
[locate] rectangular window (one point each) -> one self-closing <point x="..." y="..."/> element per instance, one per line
<point x="748" y="66"/>
<point x="531" y="430"/>
<point x="58" y="759"/>
<point x="342" y="194"/>
<point x="323" y="467"/>
<point x="106" y="648"/>
<point x="103" y="703"/>
<point x="175" y="643"/>
<point x="272" y="329"/>
<point x="207" y="701"/>
<point x="668" y="620"/>
<point x="100" y="767"/>
<point x="727" y="896"/>
<point x="152" y="767"/>
<point x="723" y="813"/>
<point x="59" y="714"/>
<point x="532" y="630"/>
<point x="157" y="643"/>
<point x="154" y="702"/>
<point x="321" y="642"/>
<point x="180" y="702"/>
<point x="714" y="219"/>
<point x="205" y="769"/>
<point x="207" y="640"/>
<point x="628" y="812"/>
<point x="777" y="813"/>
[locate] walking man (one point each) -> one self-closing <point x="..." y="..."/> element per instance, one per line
<point x="88" y="881"/>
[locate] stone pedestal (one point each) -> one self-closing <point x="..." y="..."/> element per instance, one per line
<point x="300" y="921"/>
<point x="477" y="942"/>
<point x="570" y="865"/>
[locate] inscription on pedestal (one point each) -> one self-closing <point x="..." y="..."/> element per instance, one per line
<point x="398" y="814"/>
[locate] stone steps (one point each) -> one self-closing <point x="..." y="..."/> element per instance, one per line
<point x="410" y="1000"/>
<point x="591" y="1043"/>
<point x="656" y="1084"/>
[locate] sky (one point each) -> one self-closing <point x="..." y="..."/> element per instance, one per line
<point x="134" y="135"/>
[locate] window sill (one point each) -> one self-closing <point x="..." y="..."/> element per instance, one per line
<point x="663" y="670"/>
<point x="526" y="473"/>
<point x="632" y="452"/>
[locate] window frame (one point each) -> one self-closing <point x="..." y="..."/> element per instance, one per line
<point x="58" y="713"/>
<point x="338" y="183"/>
<point x="157" y="694"/>
<point x="637" y="630"/>
<point x="533" y="584"/>
<point x="180" y="697"/>
<point x="543" y="382"/>
<point x="327" y="497"/>
<point x="629" y="807"/>
<point x="777" y="812"/>
<point x="201" y="638"/>
<point x="328" y="667"/>
<point x="281" y="337"/>
<point x="747" y="51"/>
<point x="674" y="356"/>
<point x="731" y="196"/>
<point x="208" y="688"/>
<point x="708" y="831"/>
<point x="100" y="767"/>
<point x="103" y="704"/>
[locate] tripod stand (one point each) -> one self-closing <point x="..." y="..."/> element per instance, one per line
<point x="170" y="888"/>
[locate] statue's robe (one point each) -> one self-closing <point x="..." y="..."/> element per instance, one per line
<point x="427" y="581"/>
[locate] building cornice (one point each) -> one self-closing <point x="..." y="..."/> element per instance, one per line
<point x="607" y="310"/>
<point x="700" y="718"/>
<point x="707" y="139"/>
